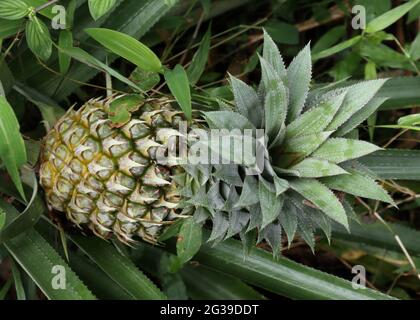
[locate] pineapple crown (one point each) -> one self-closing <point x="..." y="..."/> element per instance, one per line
<point x="310" y="151"/>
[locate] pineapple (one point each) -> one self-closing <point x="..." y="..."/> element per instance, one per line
<point x="106" y="175"/>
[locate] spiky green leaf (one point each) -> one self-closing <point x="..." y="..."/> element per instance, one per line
<point x="357" y="97"/>
<point x="360" y="116"/>
<point x="316" y="119"/>
<point x="322" y="197"/>
<point x="269" y="202"/>
<point x="299" y="76"/>
<point x="358" y="185"/>
<point x="227" y="120"/>
<point x="248" y="195"/>
<point x="280" y="185"/>
<point x="246" y="101"/>
<point x="272" y="55"/>
<point x="275" y="101"/>
<point x="288" y="220"/>
<point x="340" y="149"/>
<point x="316" y="168"/>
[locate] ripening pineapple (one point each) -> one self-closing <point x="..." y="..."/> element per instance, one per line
<point x="107" y="176"/>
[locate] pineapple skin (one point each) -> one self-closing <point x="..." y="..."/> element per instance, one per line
<point x="107" y="178"/>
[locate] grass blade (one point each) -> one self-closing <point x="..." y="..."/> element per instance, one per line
<point x="12" y="148"/>
<point x="177" y="81"/>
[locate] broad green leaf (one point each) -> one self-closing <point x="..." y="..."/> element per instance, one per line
<point x="272" y="55"/>
<point x="98" y="8"/>
<point x="227" y="120"/>
<point x="316" y="168"/>
<point x="357" y="97"/>
<point x="47" y="12"/>
<point x="322" y="197"/>
<point x="36" y="256"/>
<point x="127" y="47"/>
<point x="299" y="76"/>
<point x="246" y="101"/>
<point x="146" y="80"/>
<point x="38" y="38"/>
<point x="189" y="240"/>
<point x="276" y="99"/>
<point x="269" y="202"/>
<point x="84" y="57"/>
<point x="316" y="119"/>
<point x="358" y="185"/>
<point x="120" y="109"/>
<point x="12" y="148"/>
<point x="65" y="41"/>
<point x="200" y="58"/>
<point x="119" y="268"/>
<point x="337" y="48"/>
<point x="339" y="149"/>
<point x="388" y="18"/>
<point x="360" y="116"/>
<point x="13" y="9"/>
<point x="177" y="81"/>
<point x="9" y="28"/>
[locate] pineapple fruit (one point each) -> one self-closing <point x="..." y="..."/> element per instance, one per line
<point x="107" y="176"/>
